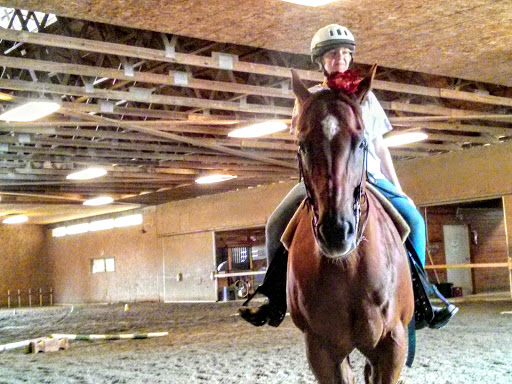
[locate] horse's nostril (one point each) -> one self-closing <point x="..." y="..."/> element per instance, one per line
<point x="336" y="230"/>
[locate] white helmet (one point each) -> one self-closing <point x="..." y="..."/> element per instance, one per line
<point x="329" y="37"/>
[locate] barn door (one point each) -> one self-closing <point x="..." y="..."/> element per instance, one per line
<point x="189" y="260"/>
<point x="456" y="247"/>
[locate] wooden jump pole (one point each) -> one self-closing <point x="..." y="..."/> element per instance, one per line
<point x="118" y="336"/>
<point x="59" y="336"/>
<point x="18" y="344"/>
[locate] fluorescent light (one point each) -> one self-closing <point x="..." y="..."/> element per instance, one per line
<point x="5" y="96"/>
<point x="311" y="3"/>
<point x="404" y="138"/>
<point x="77" y="228"/>
<point x="99" y="201"/>
<point x="213" y="179"/>
<point x="101" y="225"/>
<point x="59" y="232"/>
<point x="126" y="221"/>
<point x="86" y="174"/>
<point x="30" y="111"/>
<point x="16" y="219"/>
<point x="257" y="130"/>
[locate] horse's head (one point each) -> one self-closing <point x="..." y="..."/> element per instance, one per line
<point x="332" y="152"/>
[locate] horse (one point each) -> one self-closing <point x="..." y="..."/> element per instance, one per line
<point x="349" y="284"/>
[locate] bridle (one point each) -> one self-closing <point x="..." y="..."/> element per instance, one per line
<point x="360" y="196"/>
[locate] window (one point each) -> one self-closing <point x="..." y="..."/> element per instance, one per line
<point x="105" y="264"/>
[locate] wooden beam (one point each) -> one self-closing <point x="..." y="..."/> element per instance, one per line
<point x="192" y="141"/>
<point x="213" y="62"/>
<point x="150" y="99"/>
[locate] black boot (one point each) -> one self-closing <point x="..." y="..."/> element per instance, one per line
<point x="425" y="313"/>
<point x="273" y="311"/>
<point x="442" y="315"/>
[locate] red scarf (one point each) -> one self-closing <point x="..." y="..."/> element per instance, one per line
<point x="347" y="81"/>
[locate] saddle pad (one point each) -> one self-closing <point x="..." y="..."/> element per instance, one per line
<point x="400" y="223"/>
<point x="288" y="233"/>
<point x="398" y="220"/>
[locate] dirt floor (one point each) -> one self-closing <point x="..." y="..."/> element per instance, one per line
<point x="209" y="343"/>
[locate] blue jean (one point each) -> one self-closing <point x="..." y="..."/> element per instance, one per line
<point x="410" y="214"/>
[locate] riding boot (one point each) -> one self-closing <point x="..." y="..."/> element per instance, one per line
<point x="426" y="314"/>
<point x="273" y="310"/>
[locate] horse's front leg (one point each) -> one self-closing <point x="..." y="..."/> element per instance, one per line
<point x="386" y="361"/>
<point x="325" y="366"/>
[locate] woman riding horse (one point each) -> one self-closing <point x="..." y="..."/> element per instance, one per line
<point x="349" y="285"/>
<point x="332" y="48"/>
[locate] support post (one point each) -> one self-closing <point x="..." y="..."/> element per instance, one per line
<point x="30" y="297"/>
<point x="507" y="216"/>
<point x="8" y="298"/>
<point x="51" y="297"/>
<point x="19" y="298"/>
<point x="40" y="297"/>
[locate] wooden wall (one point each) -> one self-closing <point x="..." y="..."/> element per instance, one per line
<point x="139" y="250"/>
<point x="23" y="261"/>
<point x="138" y="264"/>
<point x="491" y="246"/>
<point x="474" y="174"/>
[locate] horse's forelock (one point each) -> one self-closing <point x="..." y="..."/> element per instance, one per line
<point x="328" y="95"/>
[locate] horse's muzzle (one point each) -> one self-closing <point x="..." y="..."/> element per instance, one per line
<point x="335" y="236"/>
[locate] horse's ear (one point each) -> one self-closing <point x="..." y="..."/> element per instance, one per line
<point x="366" y="84"/>
<point x="298" y="87"/>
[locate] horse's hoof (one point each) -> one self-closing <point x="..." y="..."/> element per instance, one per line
<point x="442" y="316"/>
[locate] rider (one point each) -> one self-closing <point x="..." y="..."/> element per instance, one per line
<point x="332" y="48"/>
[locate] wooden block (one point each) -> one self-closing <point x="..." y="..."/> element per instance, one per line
<point x="48" y="344"/>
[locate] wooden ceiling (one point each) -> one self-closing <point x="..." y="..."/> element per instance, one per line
<point x="152" y="95"/>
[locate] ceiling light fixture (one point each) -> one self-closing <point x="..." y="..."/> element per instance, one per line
<point x="30" y="111"/>
<point x="311" y="3"/>
<point x="103" y="200"/>
<point x="214" y="178"/>
<point x="87" y="174"/>
<point x="15" y="219"/>
<point x="404" y="138"/>
<point x="257" y="130"/>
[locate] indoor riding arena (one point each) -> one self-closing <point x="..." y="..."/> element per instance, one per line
<point x="135" y="274"/>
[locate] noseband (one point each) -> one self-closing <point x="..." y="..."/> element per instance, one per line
<point x="360" y="196"/>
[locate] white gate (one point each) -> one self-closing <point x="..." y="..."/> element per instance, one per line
<point x="456" y="248"/>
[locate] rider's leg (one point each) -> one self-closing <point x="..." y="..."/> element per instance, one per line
<point x="274" y="284"/>
<point x="417" y="238"/>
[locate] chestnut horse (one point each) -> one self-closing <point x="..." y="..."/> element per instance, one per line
<point x="349" y="285"/>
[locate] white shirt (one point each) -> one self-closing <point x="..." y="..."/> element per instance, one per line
<point x="376" y="124"/>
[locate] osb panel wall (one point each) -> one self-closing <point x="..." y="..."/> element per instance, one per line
<point x="230" y="210"/>
<point x="489" y="248"/>
<point x="189" y="260"/>
<point x="138" y="264"/>
<point x="270" y="23"/>
<point x="23" y="262"/>
<point x="472" y="174"/>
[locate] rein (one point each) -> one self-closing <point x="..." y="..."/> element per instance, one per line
<point x="359" y="194"/>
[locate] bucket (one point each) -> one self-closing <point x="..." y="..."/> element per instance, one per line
<point x="228" y="293"/>
<point x="445" y="289"/>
